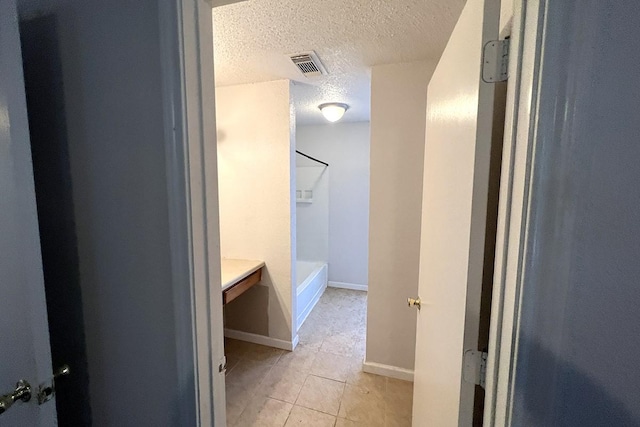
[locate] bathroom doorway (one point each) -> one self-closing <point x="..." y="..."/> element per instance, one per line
<point x="332" y="232"/>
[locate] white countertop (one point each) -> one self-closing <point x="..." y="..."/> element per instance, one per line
<point x="234" y="270"/>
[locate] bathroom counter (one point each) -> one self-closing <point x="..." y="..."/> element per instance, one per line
<point x="238" y="275"/>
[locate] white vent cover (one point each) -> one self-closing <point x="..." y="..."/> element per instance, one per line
<point x="309" y="64"/>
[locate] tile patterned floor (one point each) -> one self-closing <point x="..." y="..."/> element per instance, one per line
<point x="319" y="384"/>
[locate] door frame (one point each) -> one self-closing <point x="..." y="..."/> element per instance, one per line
<point x="190" y="140"/>
<point x="514" y="206"/>
<point x="186" y="36"/>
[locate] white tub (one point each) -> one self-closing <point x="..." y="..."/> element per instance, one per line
<point x="312" y="279"/>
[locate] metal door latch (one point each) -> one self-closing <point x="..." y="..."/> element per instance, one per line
<point x="22" y="392"/>
<point x="414" y="302"/>
<point x="222" y="367"/>
<point x="47" y="390"/>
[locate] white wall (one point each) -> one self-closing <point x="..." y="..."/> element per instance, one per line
<point x="312" y="219"/>
<point x="345" y="146"/>
<point x="398" y="115"/>
<point x="256" y="181"/>
<point x="111" y="75"/>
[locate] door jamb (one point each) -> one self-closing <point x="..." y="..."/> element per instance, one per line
<point x="186" y="37"/>
<point x="514" y="206"/>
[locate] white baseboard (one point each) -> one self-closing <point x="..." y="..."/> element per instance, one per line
<point x="261" y="339"/>
<point x="388" y="371"/>
<point x="351" y="286"/>
<point x="296" y="341"/>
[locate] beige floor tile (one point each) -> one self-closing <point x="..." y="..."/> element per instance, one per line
<point x="313" y="326"/>
<point x="313" y="345"/>
<point x="264" y="412"/>
<point x="238" y="399"/>
<point x="334" y="367"/>
<point x="360" y="348"/>
<point x="312" y="341"/>
<point x="300" y="359"/>
<point x="232" y="361"/>
<point x="392" y="420"/>
<point x="399" y="397"/>
<point x="362" y="406"/>
<point x="282" y="384"/>
<point x="399" y="386"/>
<point x="372" y="383"/>
<point x="338" y="344"/>
<point x="247" y="374"/>
<point x="262" y="381"/>
<point x="241" y="386"/>
<point x="235" y="347"/>
<point x="343" y="422"/>
<point x="305" y="417"/>
<point x="321" y="394"/>
<point x="261" y="353"/>
<point x="233" y="413"/>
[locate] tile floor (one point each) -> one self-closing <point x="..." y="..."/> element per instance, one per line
<point x="319" y="384"/>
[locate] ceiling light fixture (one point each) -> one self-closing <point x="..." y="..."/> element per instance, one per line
<point x="333" y="111"/>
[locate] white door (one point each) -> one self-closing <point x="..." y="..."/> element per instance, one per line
<point x="24" y="334"/>
<point x="456" y="177"/>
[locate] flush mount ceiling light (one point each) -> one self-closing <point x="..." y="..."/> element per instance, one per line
<point x="333" y="111"/>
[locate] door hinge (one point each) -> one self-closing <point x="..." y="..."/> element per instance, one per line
<point x="495" y="61"/>
<point x="474" y="368"/>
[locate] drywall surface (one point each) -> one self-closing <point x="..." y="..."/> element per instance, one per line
<point x="111" y="76"/>
<point x="506" y="16"/>
<point x="398" y="115"/>
<point x="580" y="323"/>
<point x="312" y="213"/>
<point x="256" y="181"/>
<point x="345" y="146"/>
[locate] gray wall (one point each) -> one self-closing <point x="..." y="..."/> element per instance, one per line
<point x="580" y="328"/>
<point x="110" y="57"/>
<point x="56" y="218"/>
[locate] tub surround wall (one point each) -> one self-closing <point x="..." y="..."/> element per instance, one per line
<point x="255" y="154"/>
<point x="345" y="146"/>
<point x="312" y="219"/>
<point x="398" y="117"/>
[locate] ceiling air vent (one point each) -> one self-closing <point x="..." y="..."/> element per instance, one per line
<point x="309" y="64"/>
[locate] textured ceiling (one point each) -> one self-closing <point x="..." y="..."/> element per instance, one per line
<point x="253" y="38"/>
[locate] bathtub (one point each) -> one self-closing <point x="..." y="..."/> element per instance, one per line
<point x="311" y="282"/>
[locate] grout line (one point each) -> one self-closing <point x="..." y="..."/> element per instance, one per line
<point x="303" y="384"/>
<point x="344" y="387"/>
<point x="300" y="391"/>
<point x="283" y="401"/>
<point x="257" y="387"/>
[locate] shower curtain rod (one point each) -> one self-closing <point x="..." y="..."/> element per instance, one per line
<point x="312" y="158"/>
